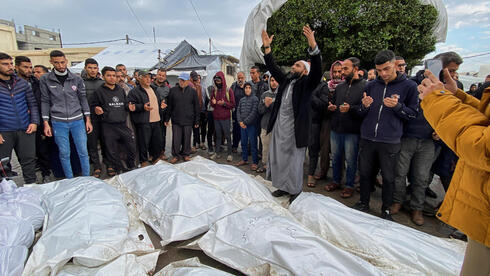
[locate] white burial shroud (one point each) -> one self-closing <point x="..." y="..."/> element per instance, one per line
<point x="264" y="239"/>
<point x="176" y="205"/>
<point x="394" y="248"/>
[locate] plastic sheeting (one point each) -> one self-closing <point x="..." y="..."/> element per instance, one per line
<point x="176" y="205"/>
<point x="265" y="239"/>
<point x="257" y="21"/>
<point x="87" y="221"/>
<point x="21" y="215"/>
<point x="125" y="265"/>
<point x="230" y="179"/>
<point x="395" y="249"/>
<point x="192" y="267"/>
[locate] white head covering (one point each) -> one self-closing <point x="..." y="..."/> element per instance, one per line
<point x="307" y="65"/>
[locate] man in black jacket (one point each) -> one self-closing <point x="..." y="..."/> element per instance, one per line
<point x="346" y="125"/>
<point x="110" y="103"/>
<point x="183" y="109"/>
<point x="290" y="117"/>
<point x="160" y="86"/>
<point x="92" y="83"/>
<point x="146" y="118"/>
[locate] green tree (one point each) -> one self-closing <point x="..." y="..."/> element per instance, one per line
<point x="357" y="28"/>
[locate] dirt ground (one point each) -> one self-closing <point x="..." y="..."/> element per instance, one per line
<point x="172" y="252"/>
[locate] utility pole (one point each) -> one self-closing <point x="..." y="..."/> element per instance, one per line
<point x="127" y="39"/>
<point x="61" y="41"/>
<point x="154" y="36"/>
<point x="209" y="46"/>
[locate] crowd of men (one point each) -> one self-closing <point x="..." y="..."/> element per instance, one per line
<point x="362" y="122"/>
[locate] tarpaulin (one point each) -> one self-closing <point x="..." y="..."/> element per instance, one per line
<point x="394" y="248"/>
<point x="190" y="267"/>
<point x="264" y="239"/>
<point x="176" y="205"/>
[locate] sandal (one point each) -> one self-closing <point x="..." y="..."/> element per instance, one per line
<point x="254" y="167"/>
<point x="111" y="172"/>
<point x="347" y="192"/>
<point x="320" y="176"/>
<point x="311" y="181"/>
<point x="332" y="186"/>
<point x="97" y="173"/>
<point x="241" y="163"/>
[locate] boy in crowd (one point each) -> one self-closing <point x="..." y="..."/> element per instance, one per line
<point x="247" y="115"/>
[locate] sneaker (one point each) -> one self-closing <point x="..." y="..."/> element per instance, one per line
<point x="386" y="215"/>
<point x="214" y="156"/>
<point x="229" y="158"/>
<point x="359" y="206"/>
<point x="279" y="193"/>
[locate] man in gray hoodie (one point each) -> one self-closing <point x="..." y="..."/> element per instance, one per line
<point x="64" y="102"/>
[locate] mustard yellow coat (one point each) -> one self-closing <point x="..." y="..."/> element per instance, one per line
<point x="463" y="123"/>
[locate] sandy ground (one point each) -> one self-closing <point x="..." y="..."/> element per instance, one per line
<point x="174" y="253"/>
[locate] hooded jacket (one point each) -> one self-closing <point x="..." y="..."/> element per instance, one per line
<point x="384" y="124"/>
<point x="351" y="93"/>
<point x="302" y="90"/>
<point x="18" y="106"/>
<point x="222" y="112"/>
<point x="463" y="123"/>
<point x="64" y="103"/>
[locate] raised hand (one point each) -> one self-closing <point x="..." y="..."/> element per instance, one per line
<point x="310" y="35"/>
<point x="266" y="39"/>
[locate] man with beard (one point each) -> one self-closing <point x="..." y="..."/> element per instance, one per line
<point x="122" y="68"/>
<point x="23" y="66"/>
<point x="259" y="86"/>
<point x="289" y="117"/>
<point x="66" y="111"/>
<point x="223" y="102"/>
<point x="388" y="102"/>
<point x="266" y="104"/>
<point x="161" y="87"/>
<point x="92" y="83"/>
<point x="239" y="93"/>
<point x="346" y="126"/>
<point x="19" y="117"/>
<point x="324" y="131"/>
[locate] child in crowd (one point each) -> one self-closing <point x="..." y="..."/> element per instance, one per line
<point x="247" y="116"/>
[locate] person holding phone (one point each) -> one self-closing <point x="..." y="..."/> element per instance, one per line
<point x="145" y="105"/>
<point x="463" y="123"/>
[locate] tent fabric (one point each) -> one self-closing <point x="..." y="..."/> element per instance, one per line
<point x="257" y="21"/>
<point x="133" y="56"/>
<point x="185" y="57"/>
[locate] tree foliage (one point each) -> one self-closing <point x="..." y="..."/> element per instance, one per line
<point x="357" y="28"/>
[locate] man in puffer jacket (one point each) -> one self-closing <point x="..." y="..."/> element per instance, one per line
<point x="463" y="123"/>
<point x="19" y="118"/>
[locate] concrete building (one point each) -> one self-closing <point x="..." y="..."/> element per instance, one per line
<point x="74" y="55"/>
<point x="8" y="40"/>
<point x="31" y="38"/>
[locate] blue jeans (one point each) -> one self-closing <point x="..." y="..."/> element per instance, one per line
<point x="344" y="144"/>
<point x="61" y="132"/>
<point x="248" y="135"/>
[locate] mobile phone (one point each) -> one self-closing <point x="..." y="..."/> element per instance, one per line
<point x="435" y="66"/>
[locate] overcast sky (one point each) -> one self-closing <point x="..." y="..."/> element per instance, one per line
<point x="223" y="21"/>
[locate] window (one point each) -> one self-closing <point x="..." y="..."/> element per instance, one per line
<point x="230" y="70"/>
<point x="52" y="38"/>
<point x="35" y="33"/>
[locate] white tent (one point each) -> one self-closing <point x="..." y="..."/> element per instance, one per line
<point x="142" y="56"/>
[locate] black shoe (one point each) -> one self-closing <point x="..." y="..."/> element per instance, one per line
<point x="279" y="193"/>
<point x="293" y="197"/>
<point x="359" y="206"/>
<point x="430" y="193"/>
<point x="386" y="215"/>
